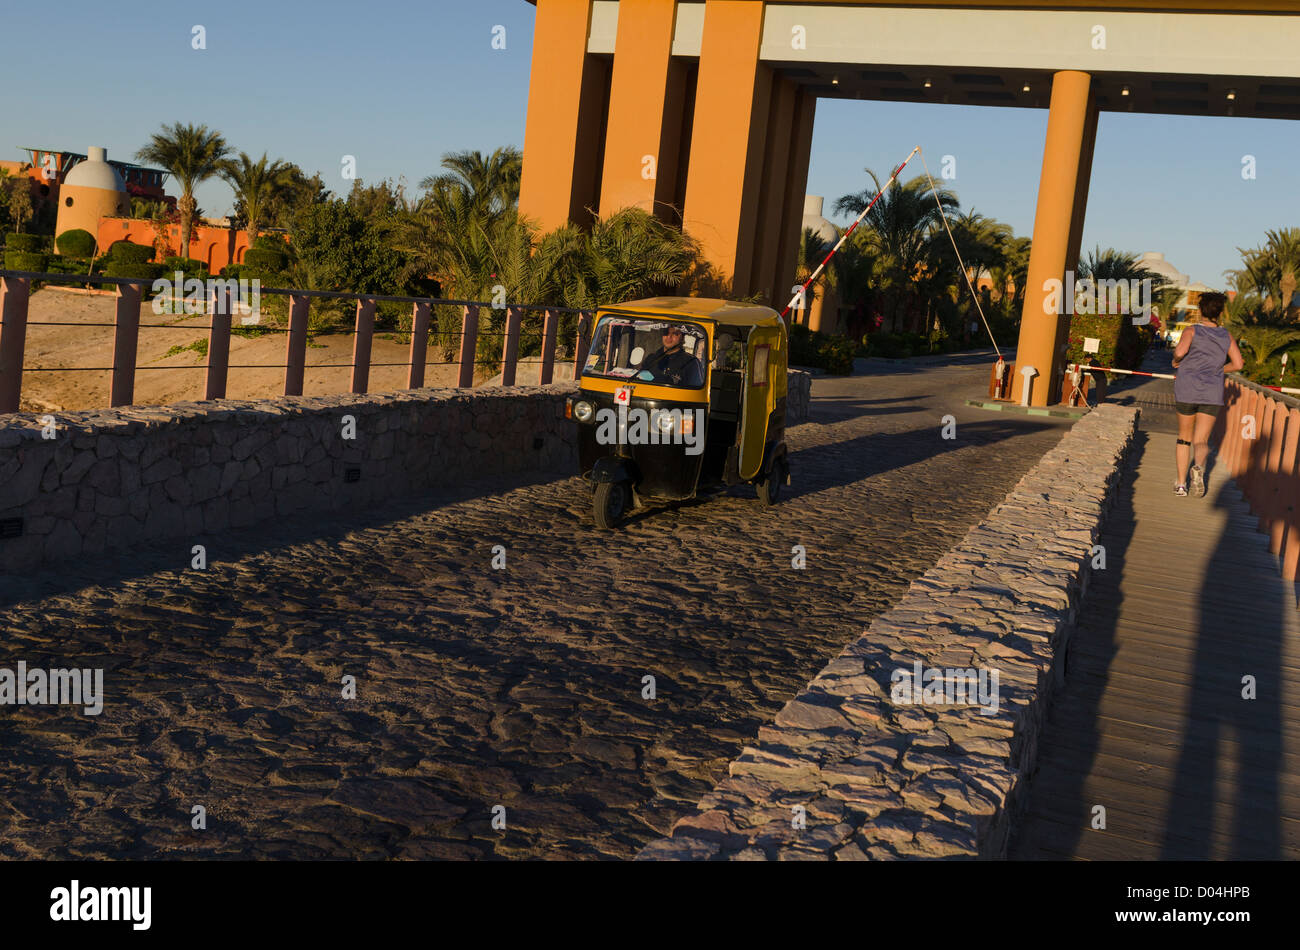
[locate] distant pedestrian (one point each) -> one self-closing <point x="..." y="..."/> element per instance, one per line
<point x="1205" y="352"/>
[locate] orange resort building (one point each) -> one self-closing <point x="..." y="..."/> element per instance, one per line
<point x="94" y="194"/>
<point x="702" y="112"/>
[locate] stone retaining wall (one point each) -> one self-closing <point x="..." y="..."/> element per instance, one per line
<point x="870" y="776"/>
<point x="114" y="477"/>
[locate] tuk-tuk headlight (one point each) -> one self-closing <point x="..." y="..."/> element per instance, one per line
<point x="666" y="422"/>
<point x="583" y="411"/>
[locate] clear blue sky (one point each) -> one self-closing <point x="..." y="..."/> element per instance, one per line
<point x="397" y="83"/>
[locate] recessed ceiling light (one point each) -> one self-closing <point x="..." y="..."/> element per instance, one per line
<point x="1232" y="94"/>
<point x="1124" y="91"/>
<point x="927" y="83"/>
<point x="1025" y="87"/>
<point x="835" y="80"/>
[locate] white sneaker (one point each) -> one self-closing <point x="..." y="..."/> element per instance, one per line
<point x="1198" y="481"/>
<point x="1180" y="491"/>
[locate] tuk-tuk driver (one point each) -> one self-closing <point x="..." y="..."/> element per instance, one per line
<point x="672" y="363"/>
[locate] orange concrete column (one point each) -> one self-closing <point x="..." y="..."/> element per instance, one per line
<point x="772" y="194"/>
<point x="1058" y="186"/>
<point x="566" y="103"/>
<point x="727" y="139"/>
<point x="641" y="137"/>
<point x="1077" y="213"/>
<point x="796" y="186"/>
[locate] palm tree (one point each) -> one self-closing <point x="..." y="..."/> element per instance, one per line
<point x="901" y="236"/>
<point x="1111" y="264"/>
<point x="1271" y="273"/>
<point x="491" y="183"/>
<point x="192" y="154"/>
<point x="257" y="185"/>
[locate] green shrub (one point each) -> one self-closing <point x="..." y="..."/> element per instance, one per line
<point x="270" y="242"/>
<point x="31" y="243"/>
<point x="124" y="252"/>
<point x="186" y="265"/>
<point x="836" y="355"/>
<point x="264" y="259"/>
<point x="76" y="243"/>
<point x="26" y="260"/>
<point x="144" y="271"/>
<point x="69" y="265"/>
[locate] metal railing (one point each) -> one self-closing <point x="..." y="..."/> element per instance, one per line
<point x="1258" y="438"/>
<point x="15" y="291"/>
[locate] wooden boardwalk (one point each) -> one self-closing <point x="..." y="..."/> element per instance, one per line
<point x="1152" y="724"/>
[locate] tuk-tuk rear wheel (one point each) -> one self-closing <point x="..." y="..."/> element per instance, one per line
<point x="609" y="502"/>
<point x="769" y="489"/>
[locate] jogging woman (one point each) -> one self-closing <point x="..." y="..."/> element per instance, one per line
<point x="1205" y="352"/>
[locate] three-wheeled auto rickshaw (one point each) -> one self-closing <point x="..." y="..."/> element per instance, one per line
<point x="680" y="394"/>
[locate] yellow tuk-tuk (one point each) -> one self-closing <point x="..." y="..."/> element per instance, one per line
<point x="678" y="394"/>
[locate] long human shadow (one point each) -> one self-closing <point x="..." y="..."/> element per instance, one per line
<point x="1052" y="789"/>
<point x="1221" y="718"/>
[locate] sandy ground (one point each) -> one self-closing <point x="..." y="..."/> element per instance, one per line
<point x="162" y="379"/>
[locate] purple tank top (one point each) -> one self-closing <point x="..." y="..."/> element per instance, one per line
<point x="1200" y="374"/>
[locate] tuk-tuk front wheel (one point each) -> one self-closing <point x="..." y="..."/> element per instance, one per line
<point x="769" y="489"/>
<point x="609" y="503"/>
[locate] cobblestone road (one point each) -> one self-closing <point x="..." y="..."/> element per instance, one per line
<point x="477" y="687"/>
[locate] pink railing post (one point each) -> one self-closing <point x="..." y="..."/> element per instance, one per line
<point x="126" y="339"/>
<point x="14" y="294"/>
<point x="1254" y="476"/>
<point x="218" y="344"/>
<point x="361" y="345"/>
<point x="295" y="354"/>
<point x="510" y="348"/>
<point x="1284" y="480"/>
<point x="1268" y="479"/>
<point x="548" y="348"/>
<point x="580" y="345"/>
<point x="419" y="344"/>
<point x="468" y="346"/>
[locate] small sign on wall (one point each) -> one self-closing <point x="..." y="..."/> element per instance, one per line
<point x="1091" y="345"/>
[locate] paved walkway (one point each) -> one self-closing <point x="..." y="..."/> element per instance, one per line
<point x="477" y="687"/>
<point x="1151" y="724"/>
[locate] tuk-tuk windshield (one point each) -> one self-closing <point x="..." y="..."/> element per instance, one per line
<point x="663" y="352"/>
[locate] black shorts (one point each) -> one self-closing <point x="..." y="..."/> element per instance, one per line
<point x="1192" y="408"/>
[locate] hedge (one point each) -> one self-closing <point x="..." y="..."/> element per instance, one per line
<point x="263" y="259"/>
<point x="124" y="252"/>
<point x="31" y="243"/>
<point x="142" y="270"/>
<point x="25" y="260"/>
<point x="270" y="242"/>
<point x="69" y="265"/>
<point x="188" y="265"/>
<point x="76" y="243"/>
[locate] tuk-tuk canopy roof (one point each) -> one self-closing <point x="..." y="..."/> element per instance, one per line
<point x="729" y="312"/>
